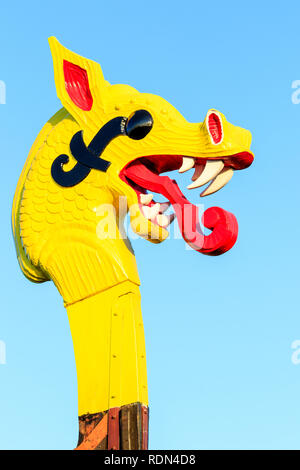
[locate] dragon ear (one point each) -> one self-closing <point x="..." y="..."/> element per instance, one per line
<point x="79" y="82"/>
<point x="214" y="126"/>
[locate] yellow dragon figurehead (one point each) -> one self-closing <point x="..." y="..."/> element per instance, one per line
<point x="110" y="141"/>
<point x="107" y="149"/>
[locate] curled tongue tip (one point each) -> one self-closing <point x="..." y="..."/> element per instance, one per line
<point x="224" y="233"/>
<point x="223" y="226"/>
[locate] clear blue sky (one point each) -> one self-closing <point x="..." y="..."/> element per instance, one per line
<point x="218" y="330"/>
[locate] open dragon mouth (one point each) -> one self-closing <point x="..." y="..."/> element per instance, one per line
<point x="144" y="174"/>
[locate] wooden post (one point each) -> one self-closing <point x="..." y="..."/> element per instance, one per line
<point x="124" y="428"/>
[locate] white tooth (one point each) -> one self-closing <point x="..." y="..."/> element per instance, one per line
<point x="150" y="212"/>
<point x="164" y="206"/>
<point x="146" y="198"/>
<point x="165" y="220"/>
<point x="162" y="220"/>
<point x="218" y="182"/>
<point x="211" y="170"/>
<point x="199" y="167"/>
<point x="187" y="164"/>
<point x="147" y="211"/>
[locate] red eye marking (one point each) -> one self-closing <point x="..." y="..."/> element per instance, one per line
<point x="77" y="86"/>
<point x="214" y="126"/>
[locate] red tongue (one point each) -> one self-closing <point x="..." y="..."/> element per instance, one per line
<point x="223" y="224"/>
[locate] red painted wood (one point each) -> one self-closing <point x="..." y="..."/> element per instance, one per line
<point x="113" y="429"/>
<point x="215" y="127"/>
<point x="145" y="427"/>
<point x="77" y="85"/>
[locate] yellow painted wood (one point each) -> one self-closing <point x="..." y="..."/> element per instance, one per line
<point x="108" y="338"/>
<point x="74" y="236"/>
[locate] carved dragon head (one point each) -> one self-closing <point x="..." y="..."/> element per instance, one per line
<point x="122" y="142"/>
<point x="136" y="138"/>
